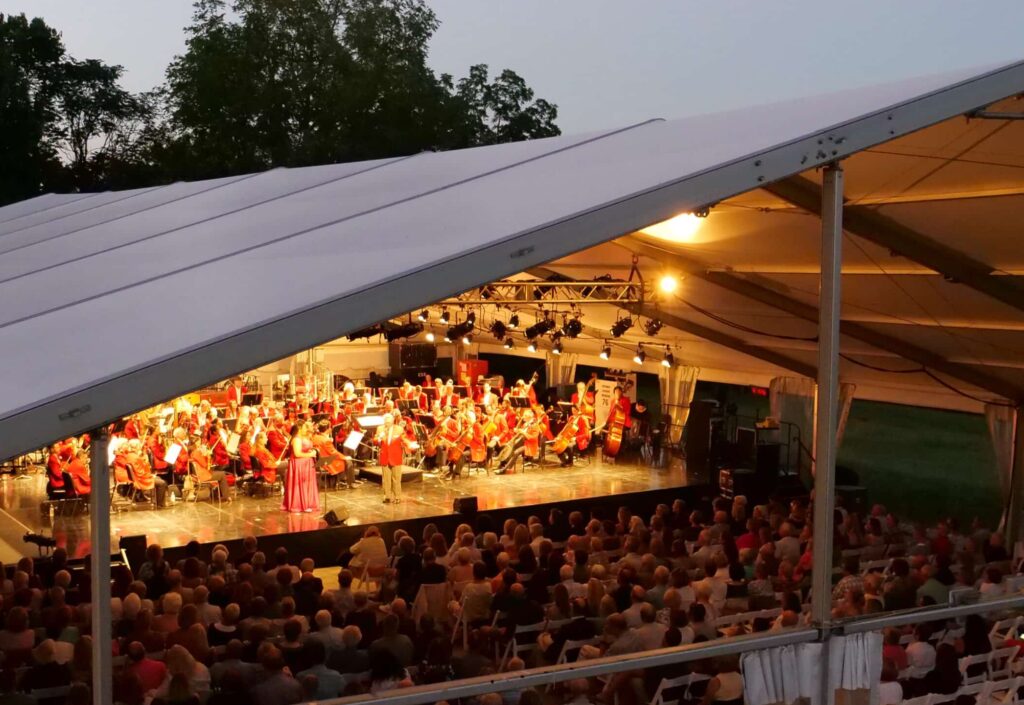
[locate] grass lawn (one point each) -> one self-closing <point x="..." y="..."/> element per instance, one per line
<point x="923" y="463"/>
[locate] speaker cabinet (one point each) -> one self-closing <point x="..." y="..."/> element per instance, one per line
<point x="465" y="505"/>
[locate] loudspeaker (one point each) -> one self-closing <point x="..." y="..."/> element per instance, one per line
<point x="333" y="519"/>
<point x="134" y="548"/>
<point x="698" y="435"/>
<point x="465" y="505"/>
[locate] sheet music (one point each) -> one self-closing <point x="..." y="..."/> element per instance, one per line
<point x="352" y="442"/>
<point x="171" y="456"/>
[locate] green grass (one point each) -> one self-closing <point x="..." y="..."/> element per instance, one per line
<point x="923" y="463"/>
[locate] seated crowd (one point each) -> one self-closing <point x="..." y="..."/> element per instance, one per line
<point x="257" y="628"/>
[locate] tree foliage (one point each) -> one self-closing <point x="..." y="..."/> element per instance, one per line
<point x="261" y="83"/>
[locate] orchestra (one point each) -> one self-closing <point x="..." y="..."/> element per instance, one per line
<point x="243" y="438"/>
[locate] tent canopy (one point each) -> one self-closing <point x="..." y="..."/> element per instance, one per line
<point x="112" y="302"/>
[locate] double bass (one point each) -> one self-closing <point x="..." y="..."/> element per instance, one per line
<point x="613" y="437"/>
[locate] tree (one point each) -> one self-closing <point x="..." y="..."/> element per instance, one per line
<point x="298" y="82"/>
<point x="30" y="59"/>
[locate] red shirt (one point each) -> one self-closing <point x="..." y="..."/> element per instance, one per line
<point x="391" y="450"/>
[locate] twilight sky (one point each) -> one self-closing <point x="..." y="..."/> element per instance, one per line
<point x="612" y="62"/>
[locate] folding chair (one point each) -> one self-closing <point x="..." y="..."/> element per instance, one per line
<point x="211" y="485"/>
<point x="966" y="662"/>
<point x="432" y="599"/>
<point x="1000" y="662"/>
<point x="980" y="692"/>
<point x="525" y="639"/>
<point x="672" y="683"/>
<point x="1002" y="630"/>
<point x="571" y="651"/>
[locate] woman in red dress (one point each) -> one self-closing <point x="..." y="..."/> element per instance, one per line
<point x="300" y="490"/>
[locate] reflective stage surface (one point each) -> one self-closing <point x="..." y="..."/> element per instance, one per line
<point x="181" y="522"/>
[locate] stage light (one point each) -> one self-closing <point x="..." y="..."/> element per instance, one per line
<point x="471" y="318"/>
<point x="444" y="316"/>
<point x="467" y="339"/>
<point x="572" y="328"/>
<point x="509" y="344"/>
<point x="431" y="337"/>
<point x="498" y="329"/>
<point x="556" y="349"/>
<point x="448" y="336"/>
<point x="513" y="321"/>
<point x="406" y="330"/>
<point x="606" y="352"/>
<point x="640" y="355"/>
<point x="540" y="328"/>
<point x="668" y="283"/>
<point x="621" y="326"/>
<point x="424" y="316"/>
<point x="682" y="228"/>
<point x="366" y="332"/>
<point x="532" y="347"/>
<point x="669" y="360"/>
<point x="653" y="327"/>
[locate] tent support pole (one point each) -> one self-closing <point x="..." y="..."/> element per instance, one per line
<point x="99" y="524"/>
<point x="826" y="411"/>
<point x="1015" y="508"/>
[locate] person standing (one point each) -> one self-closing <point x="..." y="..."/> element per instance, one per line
<point x="300" y="490"/>
<point x="390" y="438"/>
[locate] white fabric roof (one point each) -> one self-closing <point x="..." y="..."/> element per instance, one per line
<point x="111" y="302"/>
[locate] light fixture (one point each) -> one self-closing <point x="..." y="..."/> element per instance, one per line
<point x="513" y="321"/>
<point x="640" y="355"/>
<point x="606" y="352"/>
<point x="532" y="347"/>
<point x="669" y="360"/>
<point x="668" y="283"/>
<point x="467" y="339"/>
<point x="471" y="318"/>
<point x="406" y="330"/>
<point x="424" y="316"/>
<point x="498" y="329"/>
<point x="572" y="327"/>
<point x="556" y="349"/>
<point x="444" y="316"/>
<point x="509" y="344"/>
<point x="542" y="327"/>
<point x="430" y="337"/>
<point x="681" y="228"/>
<point x="621" y="326"/>
<point x="653" y="326"/>
<point x="447" y="337"/>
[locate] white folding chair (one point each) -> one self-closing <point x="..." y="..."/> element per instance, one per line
<point x="524" y="640"/>
<point x="1003" y="629"/>
<point x="979" y="691"/>
<point x="966" y="662"/>
<point x="1000" y="662"/>
<point x="1005" y="692"/>
<point x="432" y="599"/>
<point x="672" y="683"/>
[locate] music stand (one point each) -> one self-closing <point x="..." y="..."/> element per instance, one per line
<point x="252" y="398"/>
<point x="426" y="420"/>
<point x="519" y="402"/>
<point x="230" y="424"/>
<point x="407" y="406"/>
<point x="317" y="418"/>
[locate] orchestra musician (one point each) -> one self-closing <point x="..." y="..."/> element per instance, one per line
<point x="61" y="455"/>
<point x="448" y="396"/>
<point x="202" y="463"/>
<point x="235" y="392"/>
<point x="391" y="439"/>
<point x="332" y="462"/>
<point x="142" y="477"/>
<point x="78" y="469"/>
<point x="264" y="462"/>
<point x="487" y="397"/>
<point x="525" y="442"/>
<point x="584" y="398"/>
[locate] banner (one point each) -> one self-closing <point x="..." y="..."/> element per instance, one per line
<point x="603" y="399"/>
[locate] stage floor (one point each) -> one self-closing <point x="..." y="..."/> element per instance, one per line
<point x="181" y="522"/>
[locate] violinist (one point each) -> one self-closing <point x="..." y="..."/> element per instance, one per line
<point x="201" y="460"/>
<point x="181" y="462"/>
<point x="264" y="461"/>
<point x="142" y="475"/>
<point x="244" y="449"/>
<point x="61" y="455"/>
<point x="133" y="427"/>
<point x="276" y="440"/>
<point x="448" y="396"/>
<point x="216" y="442"/>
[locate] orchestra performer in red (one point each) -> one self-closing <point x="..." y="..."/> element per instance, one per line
<point x="78" y="469"/>
<point x="235" y="392"/>
<point x="276" y="440"/>
<point x="584" y="398"/>
<point x="266" y="462"/>
<point x="61" y="455"/>
<point x="391" y="439"/>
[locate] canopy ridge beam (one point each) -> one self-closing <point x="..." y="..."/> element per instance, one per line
<point x="710" y="334"/>
<point x="756" y="292"/>
<point x="884" y="231"/>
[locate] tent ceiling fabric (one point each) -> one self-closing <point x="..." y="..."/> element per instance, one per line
<point x="112" y="302"/>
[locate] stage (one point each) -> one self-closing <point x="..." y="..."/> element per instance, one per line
<point x="207" y="521"/>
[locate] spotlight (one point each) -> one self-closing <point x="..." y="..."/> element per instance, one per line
<point x="540" y="328"/>
<point x="668" y="283"/>
<point x="653" y="326"/>
<point x="498" y="329"/>
<point x="406" y="330"/>
<point x="431" y="337"/>
<point x="513" y="322"/>
<point x="448" y="336"/>
<point x="640" y="355"/>
<point x="572" y="328"/>
<point x="606" y="352"/>
<point x="467" y="339"/>
<point x="471" y="318"/>
<point x="366" y="332"/>
<point x="669" y="360"/>
<point x="444" y="316"/>
<point x="621" y="326"/>
<point x="556" y="349"/>
<point x="532" y="347"/>
<point x="509" y="344"/>
<point x="424" y="316"/>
